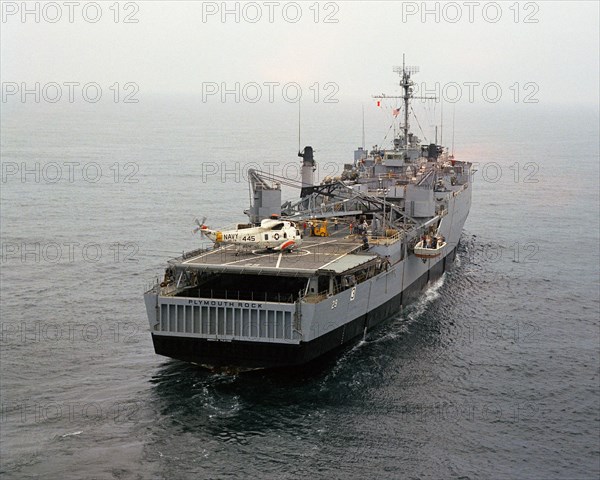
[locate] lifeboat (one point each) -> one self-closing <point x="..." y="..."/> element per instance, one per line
<point x="424" y="253"/>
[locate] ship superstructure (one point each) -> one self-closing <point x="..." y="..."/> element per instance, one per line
<point x="372" y="240"/>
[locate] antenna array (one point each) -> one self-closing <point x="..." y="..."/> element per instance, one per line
<point x="406" y="69"/>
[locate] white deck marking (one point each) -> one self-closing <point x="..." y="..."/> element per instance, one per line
<point x="205" y="254"/>
<point x="226" y="253"/>
<point x="325" y="243"/>
<point x="335" y="260"/>
<point x="248" y="258"/>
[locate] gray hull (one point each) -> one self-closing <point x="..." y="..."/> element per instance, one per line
<point x="265" y="310"/>
<point x="249" y="334"/>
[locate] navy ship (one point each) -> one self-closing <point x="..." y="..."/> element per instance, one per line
<point x="302" y="278"/>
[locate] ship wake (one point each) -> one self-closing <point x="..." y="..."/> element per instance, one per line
<point x="391" y="331"/>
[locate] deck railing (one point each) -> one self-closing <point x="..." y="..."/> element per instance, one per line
<point x="195" y="253"/>
<point x="385" y="240"/>
<point x="243" y="295"/>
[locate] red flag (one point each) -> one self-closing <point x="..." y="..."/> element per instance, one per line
<point x="378" y="103"/>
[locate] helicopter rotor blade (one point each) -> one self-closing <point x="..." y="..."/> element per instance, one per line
<point x="200" y="226"/>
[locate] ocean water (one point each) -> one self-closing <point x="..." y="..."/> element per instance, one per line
<point x="493" y="373"/>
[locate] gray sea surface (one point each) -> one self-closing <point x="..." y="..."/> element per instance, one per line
<point x="493" y="373"/>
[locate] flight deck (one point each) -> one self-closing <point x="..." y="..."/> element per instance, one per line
<point x="338" y="252"/>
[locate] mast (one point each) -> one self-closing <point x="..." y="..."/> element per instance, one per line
<point x="406" y="83"/>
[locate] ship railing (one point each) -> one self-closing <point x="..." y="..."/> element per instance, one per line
<point x="245" y="295"/>
<point x="153" y="287"/>
<point x="163" y="290"/>
<point x="463" y="187"/>
<point x="196" y="252"/>
<point x="393" y="176"/>
<point x="384" y="239"/>
<point x="358" y="277"/>
<point x="316" y="297"/>
<point x="322" y="295"/>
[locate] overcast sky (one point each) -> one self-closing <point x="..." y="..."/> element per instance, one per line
<point x="176" y="47"/>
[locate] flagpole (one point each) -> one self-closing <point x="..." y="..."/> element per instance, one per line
<point x="299" y="125"/>
<point x="363" y="126"/>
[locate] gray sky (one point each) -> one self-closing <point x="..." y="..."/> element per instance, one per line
<point x="173" y="49"/>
